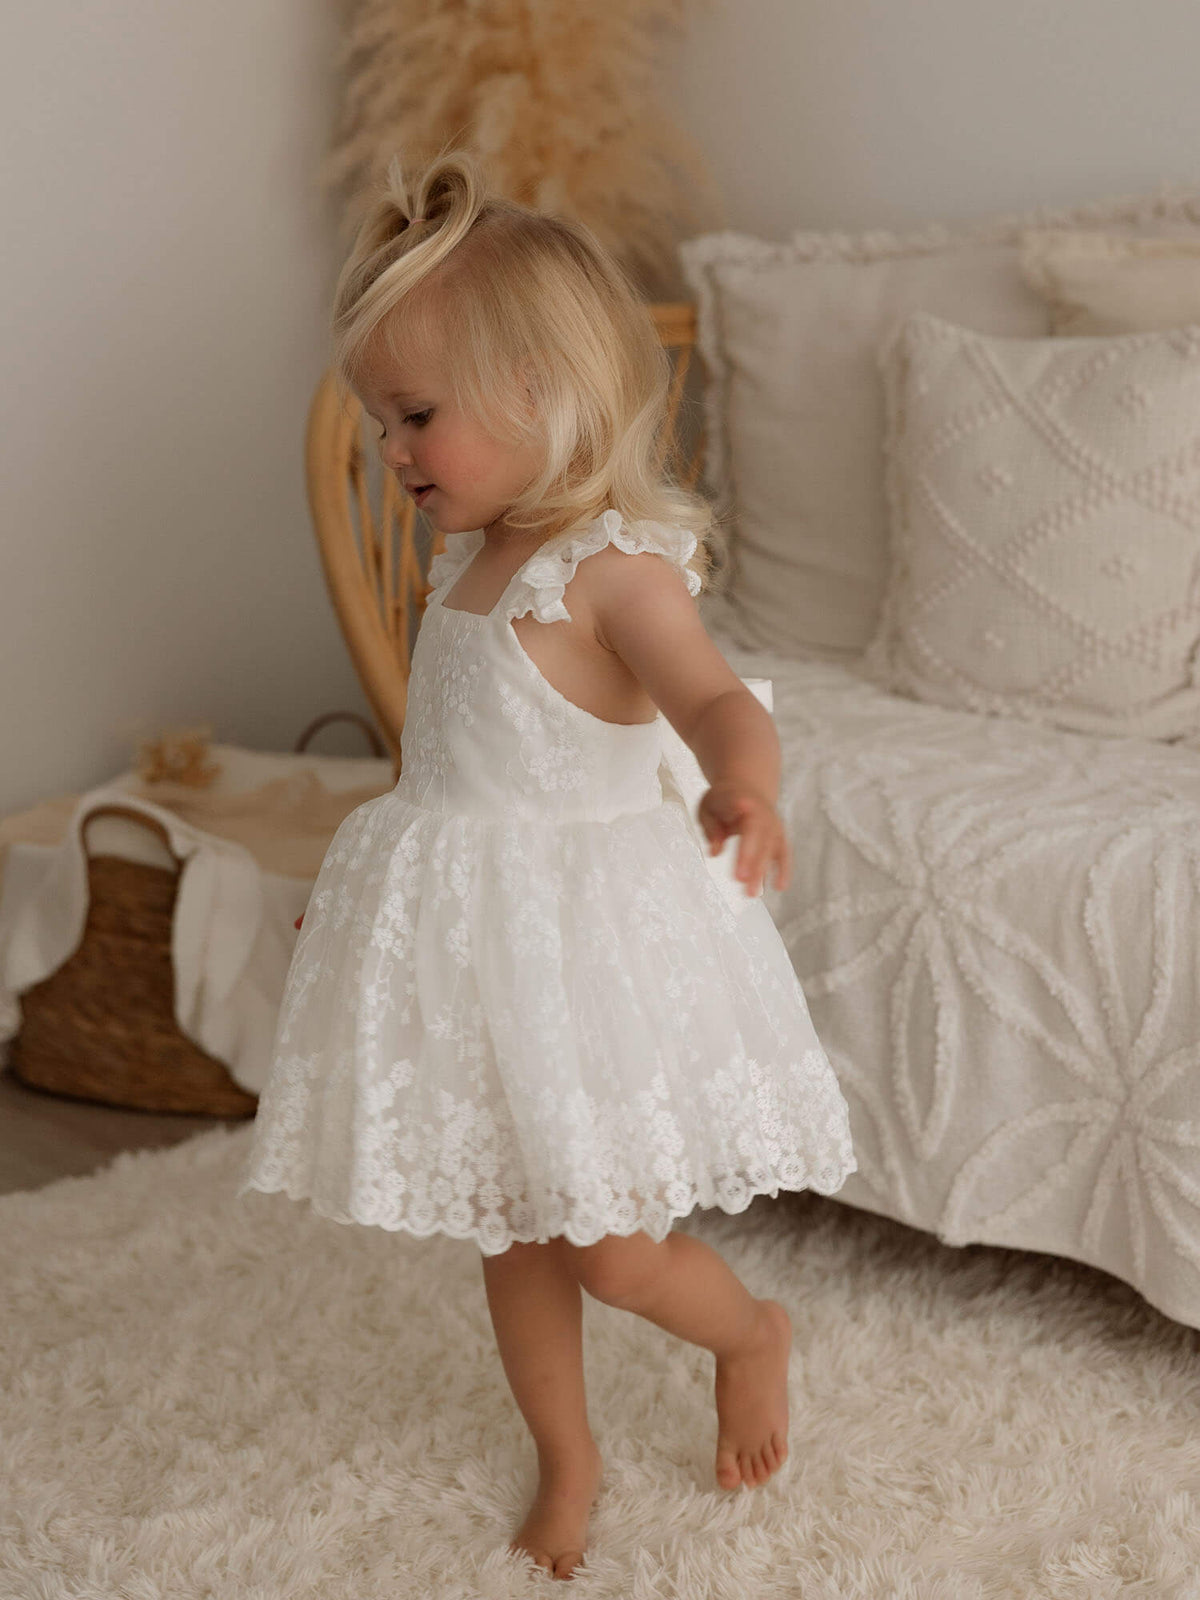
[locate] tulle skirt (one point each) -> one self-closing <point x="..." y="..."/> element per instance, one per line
<point x="507" y="1031"/>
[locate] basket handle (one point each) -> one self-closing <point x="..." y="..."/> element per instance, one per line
<point x="114" y="810"/>
<point x="333" y="716"/>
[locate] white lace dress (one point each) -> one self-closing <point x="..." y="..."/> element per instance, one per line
<point x="520" y="1004"/>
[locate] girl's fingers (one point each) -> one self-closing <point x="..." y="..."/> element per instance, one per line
<point x="761" y="846"/>
<point x="753" y="866"/>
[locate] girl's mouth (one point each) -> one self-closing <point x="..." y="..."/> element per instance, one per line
<point x="420" y="495"/>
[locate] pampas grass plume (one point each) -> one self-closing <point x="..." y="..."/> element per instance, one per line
<point x="556" y="98"/>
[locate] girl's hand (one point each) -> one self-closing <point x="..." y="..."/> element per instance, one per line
<point x="732" y="807"/>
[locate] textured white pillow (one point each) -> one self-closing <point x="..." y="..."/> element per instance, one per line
<point x="1045" y="504"/>
<point x="793" y="406"/>
<point x="1110" y="283"/>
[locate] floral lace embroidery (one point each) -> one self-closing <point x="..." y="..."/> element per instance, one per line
<point x="557" y="763"/>
<point x="423" y="747"/>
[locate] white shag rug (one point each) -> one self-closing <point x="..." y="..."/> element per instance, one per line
<point x="207" y="1398"/>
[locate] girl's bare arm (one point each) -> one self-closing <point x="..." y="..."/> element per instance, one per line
<point x="641" y="609"/>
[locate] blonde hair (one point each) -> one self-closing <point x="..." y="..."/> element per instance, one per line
<point x="521" y="307"/>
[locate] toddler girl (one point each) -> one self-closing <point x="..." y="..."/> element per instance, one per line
<point x="521" y="1010"/>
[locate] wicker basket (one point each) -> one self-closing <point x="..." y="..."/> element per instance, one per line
<point x="102" y="1027"/>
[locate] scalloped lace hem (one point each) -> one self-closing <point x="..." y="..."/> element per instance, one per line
<point x="496" y="1241"/>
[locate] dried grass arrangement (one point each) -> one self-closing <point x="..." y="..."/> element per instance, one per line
<point x="557" y="98"/>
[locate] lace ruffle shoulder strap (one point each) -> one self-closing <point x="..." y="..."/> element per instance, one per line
<point x="539" y="585"/>
<point x="448" y="563"/>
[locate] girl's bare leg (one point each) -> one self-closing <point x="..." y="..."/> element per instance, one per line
<point x="684" y="1286"/>
<point x="537" y="1313"/>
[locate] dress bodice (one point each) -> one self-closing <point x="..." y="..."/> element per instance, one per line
<point x="486" y="734"/>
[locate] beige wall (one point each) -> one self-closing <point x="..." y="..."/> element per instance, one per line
<point x="167" y="264"/>
<point x="882" y="113"/>
<point x="163" y="282"/>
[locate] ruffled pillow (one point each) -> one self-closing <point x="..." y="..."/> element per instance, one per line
<point x="795" y="429"/>
<point x="1098" y="283"/>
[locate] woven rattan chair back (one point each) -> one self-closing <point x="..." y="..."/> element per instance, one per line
<point x="376" y="546"/>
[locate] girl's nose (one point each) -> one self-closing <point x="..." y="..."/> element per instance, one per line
<point x="394" y="455"/>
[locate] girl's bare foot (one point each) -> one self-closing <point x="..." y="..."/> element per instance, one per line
<point x="752" y="1402"/>
<point x="555" y="1531"/>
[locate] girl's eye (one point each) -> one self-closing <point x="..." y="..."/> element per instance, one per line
<point x="419" y="418"/>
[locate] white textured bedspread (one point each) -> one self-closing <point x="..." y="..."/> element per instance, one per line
<point x="997" y="926"/>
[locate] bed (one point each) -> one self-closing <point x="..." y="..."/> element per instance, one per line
<point x="961" y="469"/>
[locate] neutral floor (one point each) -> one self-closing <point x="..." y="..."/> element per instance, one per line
<point x="46" y="1136"/>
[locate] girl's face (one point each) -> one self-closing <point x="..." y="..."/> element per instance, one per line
<point x="426" y="439"/>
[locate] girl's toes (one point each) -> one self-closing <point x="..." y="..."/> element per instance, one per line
<point x="729" y="1472"/>
<point x="538" y="1557"/>
<point x="565" y="1564"/>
